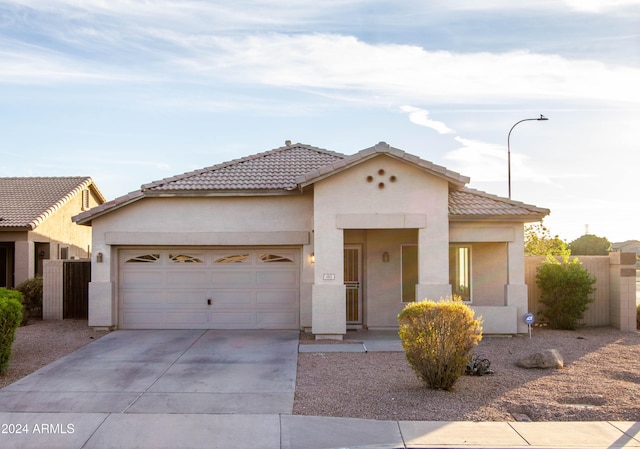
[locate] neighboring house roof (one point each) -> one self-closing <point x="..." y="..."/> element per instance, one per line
<point x="631" y="245"/>
<point x="26" y="202"/>
<point x="296" y="166"/>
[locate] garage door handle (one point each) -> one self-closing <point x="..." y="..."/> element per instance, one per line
<point x="209" y="301"/>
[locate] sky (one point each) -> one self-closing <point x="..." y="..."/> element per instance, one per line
<point x="130" y="92"/>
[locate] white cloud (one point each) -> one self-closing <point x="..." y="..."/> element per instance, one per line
<point x="488" y="162"/>
<point x="600" y="6"/>
<point x="23" y="64"/>
<point x="201" y="42"/>
<point x="405" y="73"/>
<point x="421" y="117"/>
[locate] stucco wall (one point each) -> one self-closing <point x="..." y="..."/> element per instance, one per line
<point x="184" y="221"/>
<point x="59" y="230"/>
<point x="489" y="273"/>
<point x="409" y="198"/>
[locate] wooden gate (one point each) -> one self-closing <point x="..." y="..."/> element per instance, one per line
<point x="75" y="297"/>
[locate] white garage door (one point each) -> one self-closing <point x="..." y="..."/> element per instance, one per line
<point x="193" y="288"/>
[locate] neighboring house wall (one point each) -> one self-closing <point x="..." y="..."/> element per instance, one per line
<point x="55" y="238"/>
<point x="213" y="221"/>
<point x="615" y="290"/>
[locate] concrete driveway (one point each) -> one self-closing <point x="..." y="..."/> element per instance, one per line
<point x="166" y="371"/>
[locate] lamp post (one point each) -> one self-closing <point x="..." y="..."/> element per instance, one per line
<point x="542" y="117"/>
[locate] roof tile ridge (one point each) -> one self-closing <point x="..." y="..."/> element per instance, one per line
<point x="319" y="150"/>
<point x="237" y="161"/>
<point x="86" y="181"/>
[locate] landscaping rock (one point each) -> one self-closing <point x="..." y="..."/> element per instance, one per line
<point x="549" y="358"/>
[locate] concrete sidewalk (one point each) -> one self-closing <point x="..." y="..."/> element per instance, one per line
<point x="273" y="431"/>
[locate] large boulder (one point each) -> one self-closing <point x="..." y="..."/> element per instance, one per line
<point x="549" y="358"/>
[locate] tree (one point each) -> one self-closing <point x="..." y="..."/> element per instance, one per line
<point x="590" y="245"/>
<point x="538" y="242"/>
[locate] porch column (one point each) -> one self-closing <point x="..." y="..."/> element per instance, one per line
<point x="516" y="293"/>
<point x="24" y="260"/>
<point x="103" y="298"/>
<point x="622" y="291"/>
<point x="328" y="294"/>
<point x="433" y="263"/>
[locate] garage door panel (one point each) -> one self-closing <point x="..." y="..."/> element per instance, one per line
<point x="141" y="278"/>
<point x="277" y="319"/>
<point x="185" y="319"/>
<point x="144" y="298"/>
<point x="171" y="288"/>
<point x="233" y="319"/>
<point x="229" y="278"/>
<point x="186" y="278"/>
<point x="186" y="298"/>
<point x="277" y="278"/>
<point x="143" y="320"/>
<point x="227" y="299"/>
<point x="282" y="298"/>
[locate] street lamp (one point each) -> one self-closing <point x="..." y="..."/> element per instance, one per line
<point x="542" y="117"/>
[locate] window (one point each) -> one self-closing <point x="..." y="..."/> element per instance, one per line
<point x="234" y="258"/>
<point x="409" y="272"/>
<point x="460" y="271"/>
<point x="144" y="258"/>
<point x="274" y="258"/>
<point x="183" y="258"/>
<point x="85" y="199"/>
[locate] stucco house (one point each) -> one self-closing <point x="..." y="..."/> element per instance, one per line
<point x="35" y="223"/>
<point x="304" y="238"/>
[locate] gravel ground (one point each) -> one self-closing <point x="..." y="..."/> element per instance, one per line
<point x="600" y="380"/>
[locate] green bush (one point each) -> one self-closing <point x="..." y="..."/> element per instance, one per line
<point x="565" y="289"/>
<point x="31" y="289"/>
<point x="437" y="338"/>
<point x="638" y="316"/>
<point x="10" y="317"/>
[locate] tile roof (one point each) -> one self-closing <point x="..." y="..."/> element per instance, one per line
<point x="27" y="202"/>
<point x="295" y="166"/>
<point x="468" y="203"/>
<point x="272" y="170"/>
<point x="381" y="148"/>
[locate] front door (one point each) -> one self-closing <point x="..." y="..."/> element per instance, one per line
<point x="353" y="283"/>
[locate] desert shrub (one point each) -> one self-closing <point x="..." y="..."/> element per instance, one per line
<point x="437" y="338"/>
<point x="10" y="317"/>
<point x="565" y="289"/>
<point x="31" y="289"/>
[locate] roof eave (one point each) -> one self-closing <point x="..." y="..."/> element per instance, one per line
<point x="529" y="218"/>
<point x="85" y="218"/>
<point x="23" y="228"/>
